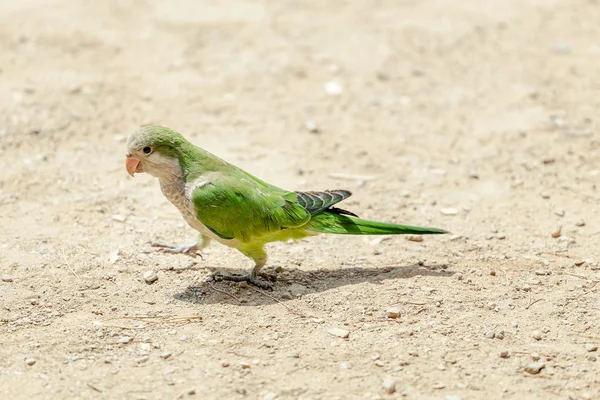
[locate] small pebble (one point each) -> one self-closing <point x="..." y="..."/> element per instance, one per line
<point x="379" y="363"/>
<point x="566" y="239"/>
<point x="245" y="365"/>
<point x="537" y="335"/>
<point x="311" y="126"/>
<point x="493" y="273"/>
<point x="559" y="212"/>
<point x="124" y="340"/>
<point x="393" y="312"/>
<point x="591" y="347"/>
<point x="118" y="218"/>
<point x="580" y="223"/>
<point x="333" y="88"/>
<point x="224" y="364"/>
<point x="113" y="257"/>
<point x="449" y="211"/>
<point x="558" y="121"/>
<point x="428" y="289"/>
<point x="535" y="368"/>
<point x="542" y="273"/>
<point x="338" y="332"/>
<point x="535" y="356"/>
<point x="170" y="370"/>
<point x="30" y="361"/>
<point x="490" y="335"/>
<point x="450" y="359"/>
<point x="74" y="88"/>
<point x="526" y="288"/>
<point x="389" y="385"/>
<point x="150" y="277"/>
<point x="504" y="354"/>
<point x="557" y="232"/>
<point x="286" y="296"/>
<point x="165" y="355"/>
<point x="141" y="360"/>
<point x="6" y="279"/>
<point x="562" y="48"/>
<point x="415" y="238"/>
<point x="145" y="347"/>
<point x="499" y="335"/>
<point x="545" y="195"/>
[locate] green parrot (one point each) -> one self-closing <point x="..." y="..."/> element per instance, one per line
<point x="229" y="205"/>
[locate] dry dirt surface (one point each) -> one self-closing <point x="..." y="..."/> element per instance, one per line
<point x="478" y="117"/>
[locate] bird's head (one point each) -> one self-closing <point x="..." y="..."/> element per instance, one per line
<point x="155" y="150"/>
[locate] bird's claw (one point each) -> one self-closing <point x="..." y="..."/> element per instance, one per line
<point x="268" y="277"/>
<point x="192" y="250"/>
<point x="250" y="279"/>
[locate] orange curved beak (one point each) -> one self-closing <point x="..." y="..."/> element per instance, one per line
<point x="132" y="163"/>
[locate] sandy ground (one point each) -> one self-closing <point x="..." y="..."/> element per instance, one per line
<point x="478" y="117"/>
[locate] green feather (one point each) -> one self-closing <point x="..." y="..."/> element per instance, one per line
<point x="328" y="222"/>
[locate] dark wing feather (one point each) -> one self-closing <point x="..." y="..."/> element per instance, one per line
<point x="341" y="211"/>
<point x="316" y="202"/>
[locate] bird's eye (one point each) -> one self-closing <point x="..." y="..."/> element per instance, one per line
<point x="147" y="150"/>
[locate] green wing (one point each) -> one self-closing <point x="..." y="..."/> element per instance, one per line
<point x="242" y="208"/>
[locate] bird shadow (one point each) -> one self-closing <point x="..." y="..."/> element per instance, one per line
<point x="294" y="283"/>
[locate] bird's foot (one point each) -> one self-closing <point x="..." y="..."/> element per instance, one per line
<point x="192" y="250"/>
<point x="252" y="279"/>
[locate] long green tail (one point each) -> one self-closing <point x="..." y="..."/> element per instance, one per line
<point x="328" y="222"/>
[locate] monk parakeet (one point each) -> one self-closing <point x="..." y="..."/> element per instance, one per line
<point x="229" y="205"/>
